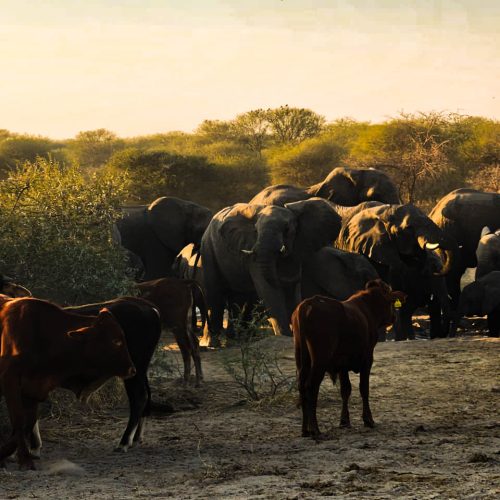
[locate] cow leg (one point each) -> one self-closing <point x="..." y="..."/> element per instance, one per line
<point x="345" y="391"/>
<point x="364" y="390"/>
<point x="35" y="441"/>
<point x="195" y="354"/>
<point x="31" y="428"/>
<point x="311" y="398"/>
<point x="137" y="399"/>
<point x="17" y="414"/>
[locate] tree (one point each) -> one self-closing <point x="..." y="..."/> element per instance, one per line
<point x="252" y="130"/>
<point x="153" y="174"/>
<point x="293" y="125"/>
<point x="93" y="148"/>
<point x="57" y="232"/>
<point x="15" y="149"/>
<point x="306" y="163"/>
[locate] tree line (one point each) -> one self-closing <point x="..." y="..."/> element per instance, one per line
<point x="223" y="162"/>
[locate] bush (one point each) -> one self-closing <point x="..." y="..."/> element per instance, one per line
<point x="256" y="367"/>
<point x="57" y="232"/>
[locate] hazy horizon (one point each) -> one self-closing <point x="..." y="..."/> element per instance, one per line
<point x="155" y="66"/>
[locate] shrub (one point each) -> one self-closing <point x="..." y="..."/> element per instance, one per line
<point x="57" y="232"/>
<point x="256" y="366"/>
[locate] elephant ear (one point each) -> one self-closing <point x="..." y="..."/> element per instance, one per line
<point x="318" y="224"/>
<point x="338" y="187"/>
<point x="167" y="217"/>
<point x="367" y="234"/>
<point x="238" y="228"/>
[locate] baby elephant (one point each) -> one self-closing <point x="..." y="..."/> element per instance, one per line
<point x="338" y="337"/>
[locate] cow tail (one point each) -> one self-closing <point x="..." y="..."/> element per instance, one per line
<point x="200" y="303"/>
<point x="302" y="356"/>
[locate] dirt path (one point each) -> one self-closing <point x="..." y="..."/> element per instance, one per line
<point x="436" y="404"/>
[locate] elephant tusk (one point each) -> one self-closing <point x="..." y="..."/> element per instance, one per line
<point x="247" y="252"/>
<point x="283" y="249"/>
<point x="431" y="246"/>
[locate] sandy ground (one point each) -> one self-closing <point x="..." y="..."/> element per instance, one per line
<point x="436" y="405"/>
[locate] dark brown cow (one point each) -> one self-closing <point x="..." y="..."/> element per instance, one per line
<point x="11" y="289"/>
<point x="140" y="322"/>
<point x="176" y="300"/>
<point x="43" y="347"/>
<point x="338" y="337"/>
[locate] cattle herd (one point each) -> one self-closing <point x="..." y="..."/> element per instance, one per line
<point x="333" y="265"/>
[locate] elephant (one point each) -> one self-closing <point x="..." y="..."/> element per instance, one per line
<point x="400" y="241"/>
<point x="488" y="252"/>
<point x="156" y="233"/>
<point x="254" y="248"/>
<point x="240" y="306"/>
<point x="461" y="215"/>
<point x="482" y="297"/>
<point x="343" y="186"/>
<point x="335" y="273"/>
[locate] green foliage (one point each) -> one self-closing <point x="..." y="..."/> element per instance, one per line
<point x="293" y="125"/>
<point x="153" y="174"/>
<point x="15" y="149"/>
<point x="56" y="232"/>
<point x="305" y="164"/>
<point x="93" y="148"/>
<point x="256" y="367"/>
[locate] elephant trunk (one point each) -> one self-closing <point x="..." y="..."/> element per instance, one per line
<point x="267" y="269"/>
<point x="445" y="253"/>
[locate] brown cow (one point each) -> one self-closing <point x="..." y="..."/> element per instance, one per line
<point x="11" y="289"/>
<point x="43" y="347"/>
<point x="176" y="298"/>
<point x="338" y="337"/>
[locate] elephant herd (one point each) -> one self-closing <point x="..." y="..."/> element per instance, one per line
<point x="289" y="243"/>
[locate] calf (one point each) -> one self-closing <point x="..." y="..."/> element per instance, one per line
<point x="338" y="337"/>
<point x="43" y="347"/>
<point x="176" y="299"/>
<point x="140" y="322"/>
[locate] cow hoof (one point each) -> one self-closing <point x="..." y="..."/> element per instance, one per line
<point x="27" y="465"/>
<point x="370" y="424"/>
<point x="121" y="448"/>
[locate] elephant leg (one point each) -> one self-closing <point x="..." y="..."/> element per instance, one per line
<point x="494" y="323"/>
<point x="403" y="328"/>
<point x="436" y="329"/>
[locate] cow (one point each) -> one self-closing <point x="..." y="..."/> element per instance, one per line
<point x="11" y="289"/>
<point x="176" y="299"/>
<point x="140" y="321"/>
<point x="337" y="337"/>
<point x="42" y="347"/>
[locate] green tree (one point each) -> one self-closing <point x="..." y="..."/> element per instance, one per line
<point x="93" y="148"/>
<point x="57" y="232"/>
<point x="16" y="148"/>
<point x="306" y="163"/>
<point x="153" y="174"/>
<point x="293" y="125"/>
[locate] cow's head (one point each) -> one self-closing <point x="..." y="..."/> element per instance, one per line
<point x="104" y="348"/>
<point x="390" y="300"/>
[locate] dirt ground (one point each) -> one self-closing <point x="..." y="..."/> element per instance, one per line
<point x="436" y="405"/>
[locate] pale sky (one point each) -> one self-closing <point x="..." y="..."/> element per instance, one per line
<point x="144" y="66"/>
